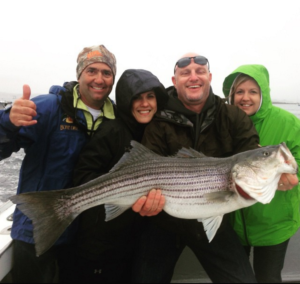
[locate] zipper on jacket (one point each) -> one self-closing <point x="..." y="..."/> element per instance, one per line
<point x="93" y="130"/>
<point x="197" y="129"/>
<point x="196" y="132"/>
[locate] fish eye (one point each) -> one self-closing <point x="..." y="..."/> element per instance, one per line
<point x="266" y="154"/>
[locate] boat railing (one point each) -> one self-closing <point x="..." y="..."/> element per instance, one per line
<point x="6" y="242"/>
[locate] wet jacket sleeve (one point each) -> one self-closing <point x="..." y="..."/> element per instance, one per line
<point x="8" y="135"/>
<point x="245" y="136"/>
<point x="13" y="138"/>
<point x="154" y="138"/>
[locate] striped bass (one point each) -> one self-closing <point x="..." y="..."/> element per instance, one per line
<point x="194" y="186"/>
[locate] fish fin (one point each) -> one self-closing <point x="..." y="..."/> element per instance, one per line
<point x="219" y="197"/>
<point x="48" y="212"/>
<point x="189" y="153"/>
<point x="211" y="226"/>
<point x="112" y="211"/>
<point x="138" y="152"/>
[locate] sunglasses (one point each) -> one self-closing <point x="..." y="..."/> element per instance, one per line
<point x="183" y="62"/>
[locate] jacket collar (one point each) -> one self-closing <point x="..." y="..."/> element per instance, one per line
<point x="177" y="113"/>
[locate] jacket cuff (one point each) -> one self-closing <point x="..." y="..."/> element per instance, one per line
<point x="6" y="123"/>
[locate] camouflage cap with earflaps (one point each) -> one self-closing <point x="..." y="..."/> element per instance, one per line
<point x="93" y="54"/>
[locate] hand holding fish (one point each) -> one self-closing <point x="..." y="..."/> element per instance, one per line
<point x="150" y="205"/>
<point x="23" y="110"/>
<point x="287" y="182"/>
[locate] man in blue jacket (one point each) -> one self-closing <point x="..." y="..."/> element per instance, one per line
<point x="52" y="129"/>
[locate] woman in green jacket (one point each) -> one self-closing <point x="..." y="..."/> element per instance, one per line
<point x="266" y="228"/>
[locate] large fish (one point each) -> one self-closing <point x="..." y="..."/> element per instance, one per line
<point x="195" y="187"/>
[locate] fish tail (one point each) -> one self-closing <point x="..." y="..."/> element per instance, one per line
<point x="49" y="214"/>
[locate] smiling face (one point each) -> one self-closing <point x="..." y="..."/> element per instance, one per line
<point x="95" y="84"/>
<point x="192" y="84"/>
<point x="144" y="106"/>
<point x="247" y="97"/>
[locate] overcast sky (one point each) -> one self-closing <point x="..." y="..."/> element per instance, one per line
<point x="40" y="40"/>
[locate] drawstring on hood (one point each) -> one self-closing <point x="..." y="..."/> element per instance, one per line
<point x="132" y="83"/>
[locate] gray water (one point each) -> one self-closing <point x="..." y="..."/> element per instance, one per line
<point x="9" y="175"/>
<point x="9" y="168"/>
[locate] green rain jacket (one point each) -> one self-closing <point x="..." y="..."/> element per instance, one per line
<point x="276" y="222"/>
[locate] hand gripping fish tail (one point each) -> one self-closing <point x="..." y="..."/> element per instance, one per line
<point x="194" y="186"/>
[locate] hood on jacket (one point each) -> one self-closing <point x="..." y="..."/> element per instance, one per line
<point x="261" y="75"/>
<point x="67" y="98"/>
<point x="132" y="83"/>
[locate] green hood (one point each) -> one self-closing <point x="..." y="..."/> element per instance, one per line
<point x="261" y="75"/>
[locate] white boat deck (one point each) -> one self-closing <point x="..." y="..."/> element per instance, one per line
<point x="3" y="104"/>
<point x="5" y="240"/>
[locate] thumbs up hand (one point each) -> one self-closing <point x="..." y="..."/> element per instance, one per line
<point x="23" y="110"/>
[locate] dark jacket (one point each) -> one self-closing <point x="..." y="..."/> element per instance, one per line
<point x="104" y="150"/>
<point x="220" y="130"/>
<point x="52" y="147"/>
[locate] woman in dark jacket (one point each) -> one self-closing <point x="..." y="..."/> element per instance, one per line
<point x="105" y="249"/>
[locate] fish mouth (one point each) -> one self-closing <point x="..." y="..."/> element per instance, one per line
<point x="287" y="156"/>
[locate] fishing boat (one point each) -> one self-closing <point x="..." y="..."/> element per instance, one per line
<point x="4" y="103"/>
<point x="6" y="243"/>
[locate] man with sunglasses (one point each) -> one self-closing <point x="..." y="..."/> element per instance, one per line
<point x="195" y="117"/>
<point x="52" y="129"/>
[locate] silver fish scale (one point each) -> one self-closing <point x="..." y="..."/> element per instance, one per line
<point x="182" y="180"/>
